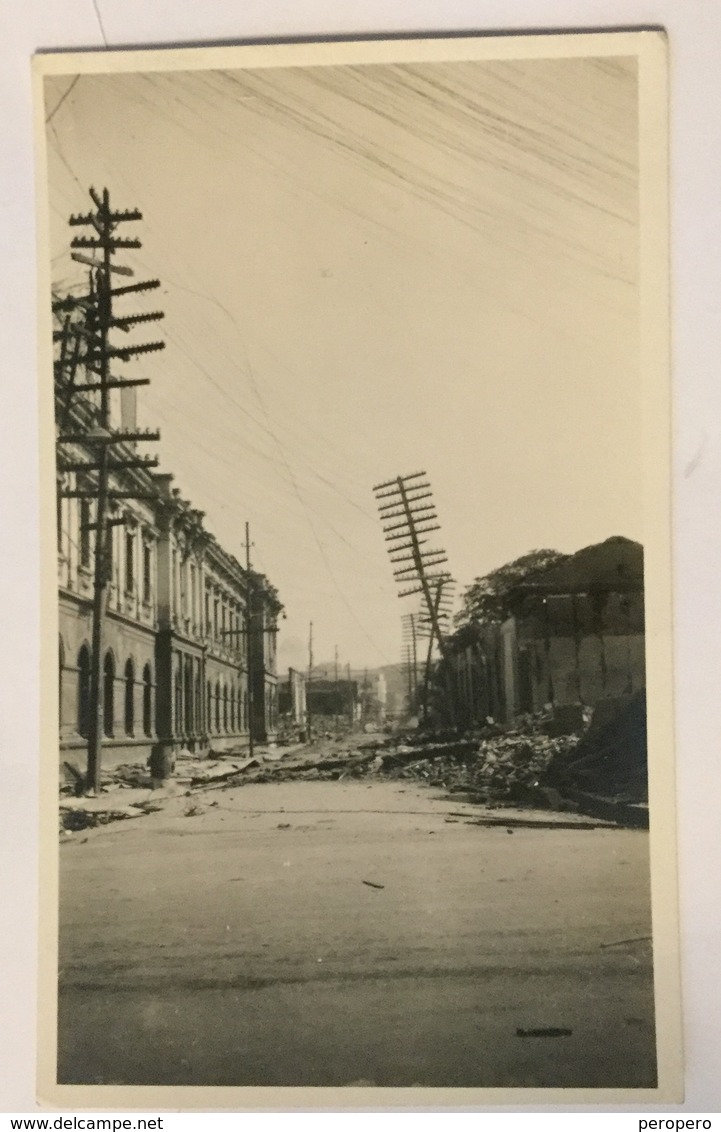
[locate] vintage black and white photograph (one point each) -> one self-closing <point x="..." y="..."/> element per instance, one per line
<point x="358" y="727"/>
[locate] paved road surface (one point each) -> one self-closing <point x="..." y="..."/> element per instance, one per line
<point x="241" y="946"/>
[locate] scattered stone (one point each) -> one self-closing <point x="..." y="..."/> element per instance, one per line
<point x="193" y="809"/>
<point x="545" y="1032"/>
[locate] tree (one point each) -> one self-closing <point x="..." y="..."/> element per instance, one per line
<point x="487" y="600"/>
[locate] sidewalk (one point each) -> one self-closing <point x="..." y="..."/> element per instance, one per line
<point x="119" y="801"/>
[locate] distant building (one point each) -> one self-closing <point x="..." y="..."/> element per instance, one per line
<point x="292" y="707"/>
<point x="332" y="699"/>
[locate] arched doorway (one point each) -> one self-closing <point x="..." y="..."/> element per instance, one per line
<point x="177" y="695"/>
<point x="129" y="698"/>
<point x="188" y="696"/>
<point x="198" y="704"/>
<point x="109" y="695"/>
<point x="147" y="700"/>
<point x="83" y="721"/>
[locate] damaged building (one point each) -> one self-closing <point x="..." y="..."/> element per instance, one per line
<point x="575" y="637"/>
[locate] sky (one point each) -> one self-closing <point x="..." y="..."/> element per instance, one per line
<point x="369" y="271"/>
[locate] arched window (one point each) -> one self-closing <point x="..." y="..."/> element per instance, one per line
<point x="84" y="691"/>
<point x="209" y="708"/>
<point x="243" y="711"/>
<point x="147" y="700"/>
<point x="109" y="694"/>
<point x="129" y="698"/>
<point x="232" y="709"/>
<point x="217" y="707"/>
<point x="225" y="709"/>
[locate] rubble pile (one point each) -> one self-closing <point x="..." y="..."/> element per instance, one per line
<point x="555" y="760"/>
<point x="507" y="766"/>
<point x="127" y="775"/>
<point x="74" y="819"/>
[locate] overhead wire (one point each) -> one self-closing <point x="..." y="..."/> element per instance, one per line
<point x="269" y="428"/>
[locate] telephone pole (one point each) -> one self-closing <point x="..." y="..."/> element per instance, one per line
<point x="351" y="714"/>
<point x="410" y="635"/>
<point x="409" y="500"/>
<point x="97" y="321"/>
<point x="404" y="499"/>
<point x="335" y="691"/>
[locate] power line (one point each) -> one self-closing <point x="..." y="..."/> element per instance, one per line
<point x="53" y="112"/>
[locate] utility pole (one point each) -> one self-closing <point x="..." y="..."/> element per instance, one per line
<point x="246" y="633"/>
<point x="249" y="600"/>
<point x="98" y="321"/>
<point x="406" y="502"/>
<point x="415" y="657"/>
<point x="308" y="711"/>
<point x="443" y="604"/>
<point x="335" y="691"/>
<point x="410" y="633"/>
<point x="351" y="714"/>
<point x="409" y="500"/>
<point x="429" y="655"/>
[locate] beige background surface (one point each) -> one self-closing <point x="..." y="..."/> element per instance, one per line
<point x="700" y="460"/>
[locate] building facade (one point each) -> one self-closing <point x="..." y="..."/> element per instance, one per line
<point x="182" y="617"/>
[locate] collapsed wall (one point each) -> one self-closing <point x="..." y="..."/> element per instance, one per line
<point x="610" y="759"/>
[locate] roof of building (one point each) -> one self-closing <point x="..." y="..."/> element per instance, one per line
<point x="615" y="565"/>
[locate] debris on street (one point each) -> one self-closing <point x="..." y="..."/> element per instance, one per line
<point x="623" y="942"/>
<point x="599" y="770"/>
<point x="76" y="817"/>
<point x="492" y="767"/>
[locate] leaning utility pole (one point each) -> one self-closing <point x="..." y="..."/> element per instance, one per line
<point x="442" y="602"/>
<point x="410" y="637"/>
<point x="405" y="498"/>
<point x="98" y="322"/>
<point x="408" y="499"/>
